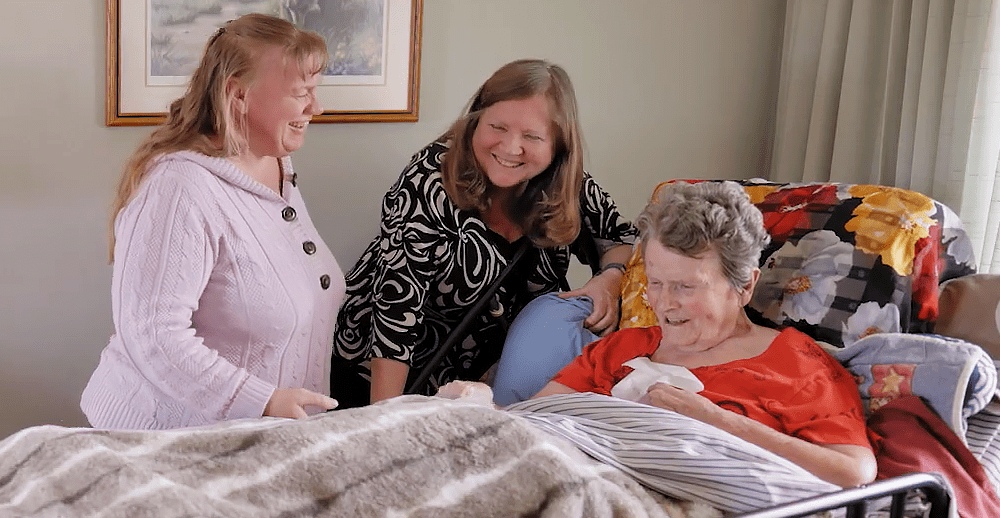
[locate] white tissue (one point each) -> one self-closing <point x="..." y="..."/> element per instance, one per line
<point x="645" y="373"/>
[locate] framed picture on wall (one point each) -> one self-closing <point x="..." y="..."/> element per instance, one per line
<point x="373" y="74"/>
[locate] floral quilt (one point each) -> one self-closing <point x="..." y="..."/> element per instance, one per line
<point x="954" y="377"/>
<point x="845" y="261"/>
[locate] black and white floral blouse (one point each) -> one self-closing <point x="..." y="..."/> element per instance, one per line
<point x="429" y="264"/>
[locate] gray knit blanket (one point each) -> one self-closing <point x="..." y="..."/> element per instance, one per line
<point x="411" y="456"/>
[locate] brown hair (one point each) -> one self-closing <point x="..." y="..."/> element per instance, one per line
<point x="548" y="211"/>
<point x="203" y="119"/>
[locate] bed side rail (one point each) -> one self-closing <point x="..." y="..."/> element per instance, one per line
<point x="855" y="500"/>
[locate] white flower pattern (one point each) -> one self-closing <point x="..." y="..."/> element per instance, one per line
<point x="954" y="237"/>
<point x="870" y="318"/>
<point x="799" y="280"/>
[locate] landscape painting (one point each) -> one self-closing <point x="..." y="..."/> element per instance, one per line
<point x="373" y="74"/>
<point x="354" y="31"/>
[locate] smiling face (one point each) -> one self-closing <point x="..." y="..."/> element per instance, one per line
<point x="279" y="105"/>
<point x="696" y="306"/>
<point x="513" y="141"/>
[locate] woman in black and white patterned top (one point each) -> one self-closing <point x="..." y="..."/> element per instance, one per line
<point x="509" y="170"/>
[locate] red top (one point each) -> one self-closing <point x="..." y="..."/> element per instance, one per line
<point x="794" y="387"/>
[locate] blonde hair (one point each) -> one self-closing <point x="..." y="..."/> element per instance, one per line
<point x="203" y="119"/>
<point x="548" y="211"/>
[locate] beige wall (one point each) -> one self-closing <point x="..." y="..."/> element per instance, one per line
<point x="667" y="88"/>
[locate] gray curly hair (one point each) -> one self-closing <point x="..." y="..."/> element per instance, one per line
<point x="690" y="218"/>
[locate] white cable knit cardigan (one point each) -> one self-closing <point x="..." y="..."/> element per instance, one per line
<point x="222" y="291"/>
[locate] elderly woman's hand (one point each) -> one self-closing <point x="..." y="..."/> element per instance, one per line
<point x="474" y="391"/>
<point x="605" y="291"/>
<point x="681" y="401"/>
<point x="846" y="465"/>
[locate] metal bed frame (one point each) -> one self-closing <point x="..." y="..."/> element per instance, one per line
<point x="855" y="500"/>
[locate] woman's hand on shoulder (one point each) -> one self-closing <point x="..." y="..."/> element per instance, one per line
<point x="604" y="290"/>
<point x="292" y="402"/>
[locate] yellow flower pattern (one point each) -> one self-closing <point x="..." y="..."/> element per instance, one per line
<point x="889" y="222"/>
<point x="759" y="192"/>
<point x="635" y="306"/>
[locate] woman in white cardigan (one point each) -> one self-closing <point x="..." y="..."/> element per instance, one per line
<point x="224" y="295"/>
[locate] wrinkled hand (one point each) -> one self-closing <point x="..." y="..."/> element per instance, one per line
<point x="291" y="402"/>
<point x="681" y="401"/>
<point x="474" y="391"/>
<point x="458" y="389"/>
<point x="605" y="291"/>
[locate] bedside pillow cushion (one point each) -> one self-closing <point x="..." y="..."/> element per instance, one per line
<point x="969" y="308"/>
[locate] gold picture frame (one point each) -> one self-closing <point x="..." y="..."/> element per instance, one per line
<point x="390" y="94"/>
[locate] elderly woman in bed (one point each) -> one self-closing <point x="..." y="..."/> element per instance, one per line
<point x="779" y="390"/>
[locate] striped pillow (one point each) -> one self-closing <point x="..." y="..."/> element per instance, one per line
<point x="671" y="453"/>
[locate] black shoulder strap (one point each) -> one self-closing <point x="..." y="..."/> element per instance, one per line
<point x="459" y="332"/>
<point x="587" y="247"/>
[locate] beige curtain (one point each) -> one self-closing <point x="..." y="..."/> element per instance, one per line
<point x="888" y="92"/>
<point x="973" y="167"/>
